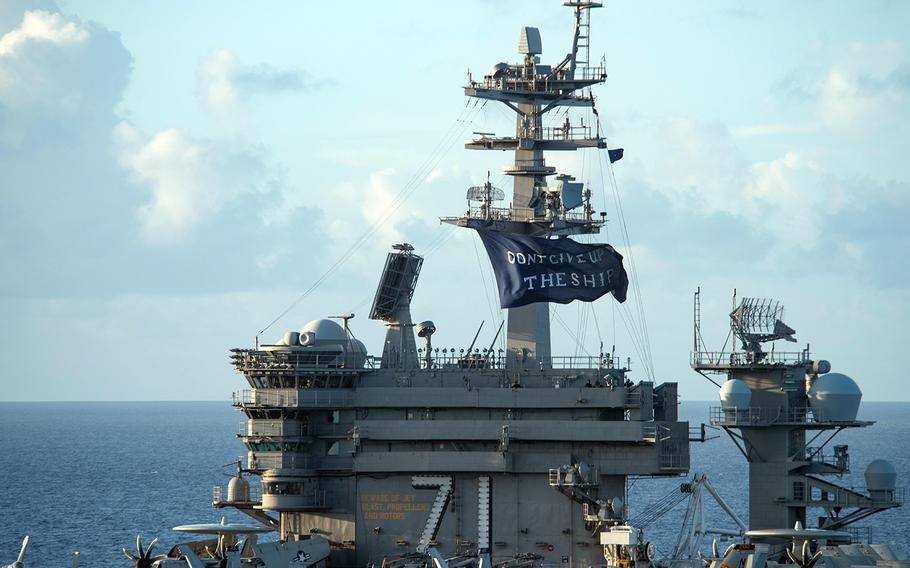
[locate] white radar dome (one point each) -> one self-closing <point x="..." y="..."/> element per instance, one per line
<point x="325" y="330"/>
<point x="735" y="394"/>
<point x="835" y="397"/>
<point x="238" y="489"/>
<point x="356" y="353"/>
<point x="880" y="476"/>
<point x="617" y="506"/>
<point x="290" y="338"/>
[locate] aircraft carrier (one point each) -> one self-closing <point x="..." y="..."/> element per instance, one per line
<point x="516" y="456"/>
<point x="420" y="456"/>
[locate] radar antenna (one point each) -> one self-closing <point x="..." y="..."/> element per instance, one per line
<point x="758" y="320"/>
<point x="484" y="194"/>
<point x="392" y="305"/>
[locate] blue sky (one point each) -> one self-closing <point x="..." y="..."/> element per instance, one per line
<point x="173" y="175"/>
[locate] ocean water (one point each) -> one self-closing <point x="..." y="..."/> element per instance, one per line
<point x="89" y="476"/>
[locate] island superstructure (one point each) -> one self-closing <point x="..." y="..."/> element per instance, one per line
<point x="511" y="458"/>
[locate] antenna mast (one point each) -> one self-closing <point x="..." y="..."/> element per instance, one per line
<point x="532" y="89"/>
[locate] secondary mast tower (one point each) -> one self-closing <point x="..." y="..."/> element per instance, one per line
<point x="783" y="410"/>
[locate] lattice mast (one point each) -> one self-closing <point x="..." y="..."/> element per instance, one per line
<point x="531" y="90"/>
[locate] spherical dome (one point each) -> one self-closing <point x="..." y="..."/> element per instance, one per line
<point x="356" y="353"/>
<point x="617" y="506"/>
<point x="238" y="489"/>
<point x="835" y="397"/>
<point x="357" y="346"/>
<point x="496" y="70"/>
<point x="735" y="394"/>
<point x="880" y="476"/>
<point x="325" y="330"/>
<point x="290" y="338"/>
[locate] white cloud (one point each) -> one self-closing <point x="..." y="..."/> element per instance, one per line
<point x="860" y="89"/>
<point x="374" y="198"/>
<point x="40" y="26"/>
<point x="215" y="84"/>
<point x="189" y="179"/>
<point x="269" y="260"/>
<point x="59" y="80"/>
<point x="772" y="129"/>
<point x="701" y="170"/>
<point x="224" y="82"/>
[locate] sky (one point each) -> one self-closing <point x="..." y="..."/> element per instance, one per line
<point x="174" y="175"/>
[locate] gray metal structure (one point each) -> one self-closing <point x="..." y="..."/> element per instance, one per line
<point x="531" y="90"/>
<point x="392" y="305"/>
<point x="427" y="454"/>
<point x="783" y="410"/>
<point x="465" y="453"/>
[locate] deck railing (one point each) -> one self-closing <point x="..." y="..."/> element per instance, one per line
<point x="279" y="430"/>
<point x="723" y="359"/>
<point x="292" y="397"/>
<point x="758" y="416"/>
<point x="219" y="494"/>
<point x="522" y="215"/>
<point x="287" y="461"/>
<point x="513" y="82"/>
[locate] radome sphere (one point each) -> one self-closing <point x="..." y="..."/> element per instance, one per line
<point x="880" y="476"/>
<point x="735" y="394"/>
<point x="326" y="330"/>
<point x="835" y="397"/>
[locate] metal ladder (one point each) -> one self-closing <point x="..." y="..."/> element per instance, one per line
<point x="484" y="507"/>
<point x="444" y="483"/>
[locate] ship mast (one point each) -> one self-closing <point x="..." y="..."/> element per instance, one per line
<point x="531" y="90"/>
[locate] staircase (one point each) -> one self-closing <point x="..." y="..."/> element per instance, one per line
<point x="444" y="483"/>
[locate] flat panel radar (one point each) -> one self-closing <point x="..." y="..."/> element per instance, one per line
<point x="397" y="284"/>
<point x="529" y="41"/>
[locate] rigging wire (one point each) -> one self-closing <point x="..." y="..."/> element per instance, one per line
<point x="636" y="335"/>
<point x="483" y="280"/>
<point x="632" y="265"/>
<point x="441" y="149"/>
<point x="439" y="240"/>
<point x="597" y="327"/>
<point x="639" y="302"/>
<point x="562" y="322"/>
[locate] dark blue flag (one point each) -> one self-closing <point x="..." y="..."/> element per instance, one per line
<point x="533" y="269"/>
<point x="615" y="155"/>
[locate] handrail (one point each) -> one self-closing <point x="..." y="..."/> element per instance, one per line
<point x="219" y="495"/>
<point x="267" y="430"/>
<point x="287" y="360"/>
<point x="552" y="133"/>
<point x="539" y="84"/>
<point x="291" y="397"/>
<point x="282" y="461"/>
<point x="732" y="416"/>
<point x="522" y="215"/>
<point x="722" y="359"/>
